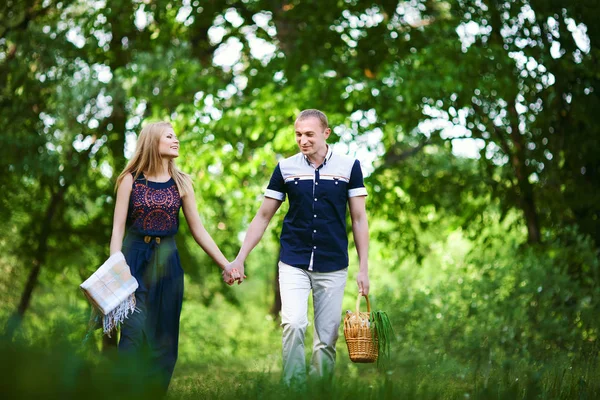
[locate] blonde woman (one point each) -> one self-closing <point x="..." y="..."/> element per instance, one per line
<point x="150" y="192"/>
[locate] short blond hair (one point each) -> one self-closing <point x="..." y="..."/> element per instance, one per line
<point x="314" y="113"/>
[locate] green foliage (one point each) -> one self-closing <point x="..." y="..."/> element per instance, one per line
<point x="501" y="301"/>
<point x="487" y="264"/>
<point x="30" y="372"/>
<point x="384" y="332"/>
<point x="34" y="372"/>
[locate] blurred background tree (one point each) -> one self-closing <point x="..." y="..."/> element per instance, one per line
<point x="474" y="120"/>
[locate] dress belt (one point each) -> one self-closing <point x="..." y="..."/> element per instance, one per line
<point x="148" y="239"/>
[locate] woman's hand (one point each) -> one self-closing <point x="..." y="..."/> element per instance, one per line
<point x="234" y="272"/>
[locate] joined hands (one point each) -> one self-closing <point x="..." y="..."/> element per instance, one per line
<point x="233" y="272"/>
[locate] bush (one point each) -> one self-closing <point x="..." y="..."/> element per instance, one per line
<point x="503" y="303"/>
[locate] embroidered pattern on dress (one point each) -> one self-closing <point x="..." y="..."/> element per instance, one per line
<point x="154" y="210"/>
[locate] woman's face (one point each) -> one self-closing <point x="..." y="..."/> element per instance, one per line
<point x="168" y="146"/>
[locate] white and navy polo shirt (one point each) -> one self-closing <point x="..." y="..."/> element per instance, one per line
<point x="314" y="235"/>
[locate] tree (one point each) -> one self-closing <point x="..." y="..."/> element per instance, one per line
<point x="403" y="82"/>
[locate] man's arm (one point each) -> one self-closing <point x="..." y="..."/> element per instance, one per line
<point x="360" y="230"/>
<point x="255" y="232"/>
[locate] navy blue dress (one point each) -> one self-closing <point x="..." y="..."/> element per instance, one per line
<point x="150" y="250"/>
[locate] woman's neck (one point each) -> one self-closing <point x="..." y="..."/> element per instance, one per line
<point x="160" y="174"/>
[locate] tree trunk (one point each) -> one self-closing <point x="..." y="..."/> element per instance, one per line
<point x="525" y="193"/>
<point x="38" y="260"/>
<point x="524" y="189"/>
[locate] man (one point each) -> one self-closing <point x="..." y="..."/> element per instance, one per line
<point x="314" y="243"/>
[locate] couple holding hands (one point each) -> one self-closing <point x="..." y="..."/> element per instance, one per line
<point x="320" y="186"/>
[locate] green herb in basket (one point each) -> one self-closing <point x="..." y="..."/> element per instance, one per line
<point x="382" y="329"/>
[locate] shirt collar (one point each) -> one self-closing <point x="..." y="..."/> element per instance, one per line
<point x="327" y="156"/>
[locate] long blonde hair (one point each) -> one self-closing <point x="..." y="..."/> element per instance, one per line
<point x="147" y="158"/>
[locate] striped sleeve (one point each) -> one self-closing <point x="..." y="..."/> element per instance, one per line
<point x="356" y="186"/>
<point x="276" y="189"/>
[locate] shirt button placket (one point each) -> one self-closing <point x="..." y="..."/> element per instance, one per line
<point x="315" y="195"/>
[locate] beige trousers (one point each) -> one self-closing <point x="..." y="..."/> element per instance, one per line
<point x="295" y="285"/>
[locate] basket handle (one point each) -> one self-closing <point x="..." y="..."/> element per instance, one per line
<point x="366" y="296"/>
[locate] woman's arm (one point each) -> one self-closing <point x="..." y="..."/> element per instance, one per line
<point x="199" y="233"/>
<point x="120" y="216"/>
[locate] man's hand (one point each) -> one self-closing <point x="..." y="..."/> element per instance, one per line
<point x="234" y="272"/>
<point x="362" y="279"/>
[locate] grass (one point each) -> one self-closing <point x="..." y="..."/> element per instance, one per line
<point x="63" y="372"/>
<point x="432" y="381"/>
<point x="54" y="368"/>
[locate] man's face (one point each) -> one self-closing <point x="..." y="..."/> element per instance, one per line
<point x="311" y="135"/>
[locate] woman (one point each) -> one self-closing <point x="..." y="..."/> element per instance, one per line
<point x="150" y="192"/>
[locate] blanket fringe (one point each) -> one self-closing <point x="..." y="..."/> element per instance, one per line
<point x="118" y="315"/>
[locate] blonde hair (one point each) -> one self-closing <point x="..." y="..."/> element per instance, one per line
<point x="310" y="113"/>
<point x="147" y="158"/>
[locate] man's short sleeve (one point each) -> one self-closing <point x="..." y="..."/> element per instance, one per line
<point x="356" y="186"/>
<point x="276" y="188"/>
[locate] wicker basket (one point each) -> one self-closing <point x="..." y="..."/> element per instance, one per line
<point x="362" y="347"/>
